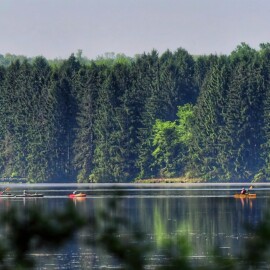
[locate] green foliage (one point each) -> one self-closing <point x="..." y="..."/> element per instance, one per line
<point x="7" y="59"/>
<point x="171" y="141"/>
<point x="185" y="120"/>
<point x="165" y="141"/>
<point x="28" y="231"/>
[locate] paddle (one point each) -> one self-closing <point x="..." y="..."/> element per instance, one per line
<point x="251" y="187"/>
<point x="2" y="192"/>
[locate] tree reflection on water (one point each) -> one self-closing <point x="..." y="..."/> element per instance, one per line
<point x="25" y="232"/>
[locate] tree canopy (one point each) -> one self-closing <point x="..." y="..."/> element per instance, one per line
<point x="115" y="119"/>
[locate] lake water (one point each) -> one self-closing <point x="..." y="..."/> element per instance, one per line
<point x="207" y="215"/>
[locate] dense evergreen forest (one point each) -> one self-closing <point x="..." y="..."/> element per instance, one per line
<point x="117" y="119"/>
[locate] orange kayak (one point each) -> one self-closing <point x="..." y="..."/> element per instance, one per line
<point x="247" y="195"/>
<point x="78" y="195"/>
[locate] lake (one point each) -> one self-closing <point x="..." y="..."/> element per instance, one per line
<point x="207" y="214"/>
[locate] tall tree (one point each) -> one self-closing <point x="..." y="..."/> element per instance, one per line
<point x="112" y="139"/>
<point x="13" y="125"/>
<point x="40" y="128"/>
<point x="67" y="83"/>
<point x="208" y="127"/>
<point x="90" y="79"/>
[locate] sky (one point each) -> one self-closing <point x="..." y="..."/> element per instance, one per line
<point x="58" y="28"/>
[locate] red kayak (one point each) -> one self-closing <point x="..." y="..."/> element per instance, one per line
<point x="78" y="195"/>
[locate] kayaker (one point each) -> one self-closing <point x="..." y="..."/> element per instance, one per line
<point x="243" y="191"/>
<point x="74" y="192"/>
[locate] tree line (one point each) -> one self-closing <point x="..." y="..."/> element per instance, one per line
<point x="118" y="119"/>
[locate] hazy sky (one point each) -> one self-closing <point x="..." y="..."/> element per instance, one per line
<point x="57" y="28"/>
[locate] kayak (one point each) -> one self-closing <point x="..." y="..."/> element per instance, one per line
<point x="247" y="195"/>
<point x="30" y="195"/>
<point x="7" y="195"/>
<point x="78" y="195"/>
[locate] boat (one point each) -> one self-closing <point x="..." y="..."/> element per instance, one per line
<point x="30" y="195"/>
<point x="247" y="195"/>
<point x="77" y="195"/>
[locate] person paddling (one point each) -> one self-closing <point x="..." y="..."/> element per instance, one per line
<point x="243" y="191"/>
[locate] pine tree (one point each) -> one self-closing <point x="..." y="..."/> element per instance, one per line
<point x="207" y="143"/>
<point x="87" y="110"/>
<point x="39" y="122"/>
<point x="13" y="125"/>
<point x="67" y="83"/>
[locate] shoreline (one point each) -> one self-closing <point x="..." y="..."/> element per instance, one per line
<point x="183" y="180"/>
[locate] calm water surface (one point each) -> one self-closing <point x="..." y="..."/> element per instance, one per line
<point x="207" y="214"/>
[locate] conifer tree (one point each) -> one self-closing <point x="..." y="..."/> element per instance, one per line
<point x="87" y="111"/>
<point x="207" y="143"/>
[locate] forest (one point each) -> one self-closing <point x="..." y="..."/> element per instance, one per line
<point x="117" y="118"/>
